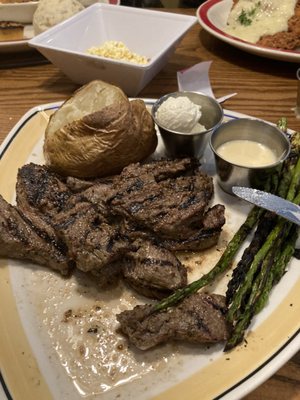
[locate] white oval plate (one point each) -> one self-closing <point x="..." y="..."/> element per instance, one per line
<point x="212" y="16"/>
<point x="42" y="357"/>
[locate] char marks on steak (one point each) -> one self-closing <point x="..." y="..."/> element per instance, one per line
<point x="22" y="239"/>
<point x="171" y="207"/>
<point x="162" y="169"/>
<point x="153" y="270"/>
<point x="199" y="318"/>
<point x="126" y="224"/>
<point x="203" y="237"/>
<point x="41" y="190"/>
<point x="92" y="242"/>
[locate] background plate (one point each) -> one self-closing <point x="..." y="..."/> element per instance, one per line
<point x="212" y="16"/>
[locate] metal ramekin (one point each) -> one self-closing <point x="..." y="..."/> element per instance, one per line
<point x="179" y="144"/>
<point x="230" y="174"/>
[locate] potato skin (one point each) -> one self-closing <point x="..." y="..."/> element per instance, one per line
<point x="102" y="142"/>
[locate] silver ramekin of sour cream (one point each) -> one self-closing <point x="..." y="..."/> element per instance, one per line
<point x="185" y="120"/>
<point x="247" y="151"/>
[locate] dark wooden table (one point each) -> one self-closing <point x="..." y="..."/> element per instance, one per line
<point x="266" y="89"/>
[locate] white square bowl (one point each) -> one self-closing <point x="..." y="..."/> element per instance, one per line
<point x="153" y="34"/>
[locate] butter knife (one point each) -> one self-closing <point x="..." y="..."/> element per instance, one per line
<point x="268" y="201"/>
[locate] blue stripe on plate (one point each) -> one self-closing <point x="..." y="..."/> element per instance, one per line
<point x="5" y="391"/>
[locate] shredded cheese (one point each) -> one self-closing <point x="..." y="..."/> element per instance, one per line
<point x="118" y="51"/>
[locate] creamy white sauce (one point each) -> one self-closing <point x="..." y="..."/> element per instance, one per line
<point x="247" y="153"/>
<point x="251" y="19"/>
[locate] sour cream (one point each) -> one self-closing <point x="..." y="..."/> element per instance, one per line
<point x="251" y="19"/>
<point x="180" y="114"/>
<point x="247" y="153"/>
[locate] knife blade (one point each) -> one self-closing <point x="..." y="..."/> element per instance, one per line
<point x="268" y="201"/>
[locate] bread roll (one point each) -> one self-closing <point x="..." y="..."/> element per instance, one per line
<point x="97" y="132"/>
<point x="52" y="12"/>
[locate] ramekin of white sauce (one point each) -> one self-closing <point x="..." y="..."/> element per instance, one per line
<point x="247" y="151"/>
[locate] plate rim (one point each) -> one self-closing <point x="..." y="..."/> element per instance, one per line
<point x="242" y="387"/>
<point x="209" y="26"/>
<point x="12" y="46"/>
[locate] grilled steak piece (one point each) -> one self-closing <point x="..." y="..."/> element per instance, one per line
<point x="205" y="236"/>
<point x="41" y="190"/>
<point x="153" y="271"/>
<point x="171" y="208"/>
<point x="21" y="239"/>
<point x="77" y="185"/>
<point x="166" y="200"/>
<point x="92" y="242"/>
<point x="105" y="188"/>
<point x="199" y="318"/>
<point x="98" y="195"/>
<point x="108" y="275"/>
<point x="162" y="169"/>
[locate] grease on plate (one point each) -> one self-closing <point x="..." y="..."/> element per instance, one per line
<point x="79" y="319"/>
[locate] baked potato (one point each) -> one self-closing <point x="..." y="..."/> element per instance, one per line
<point x="97" y="132"/>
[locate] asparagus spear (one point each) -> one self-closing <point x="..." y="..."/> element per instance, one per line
<point x="287" y="171"/>
<point x="294" y="186"/>
<point x="278" y="271"/>
<point x="259" y="299"/>
<point x="264" y="227"/>
<point x="239" y="297"/>
<point x="253" y="289"/>
<point x="282" y="124"/>
<point x="246" y="313"/>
